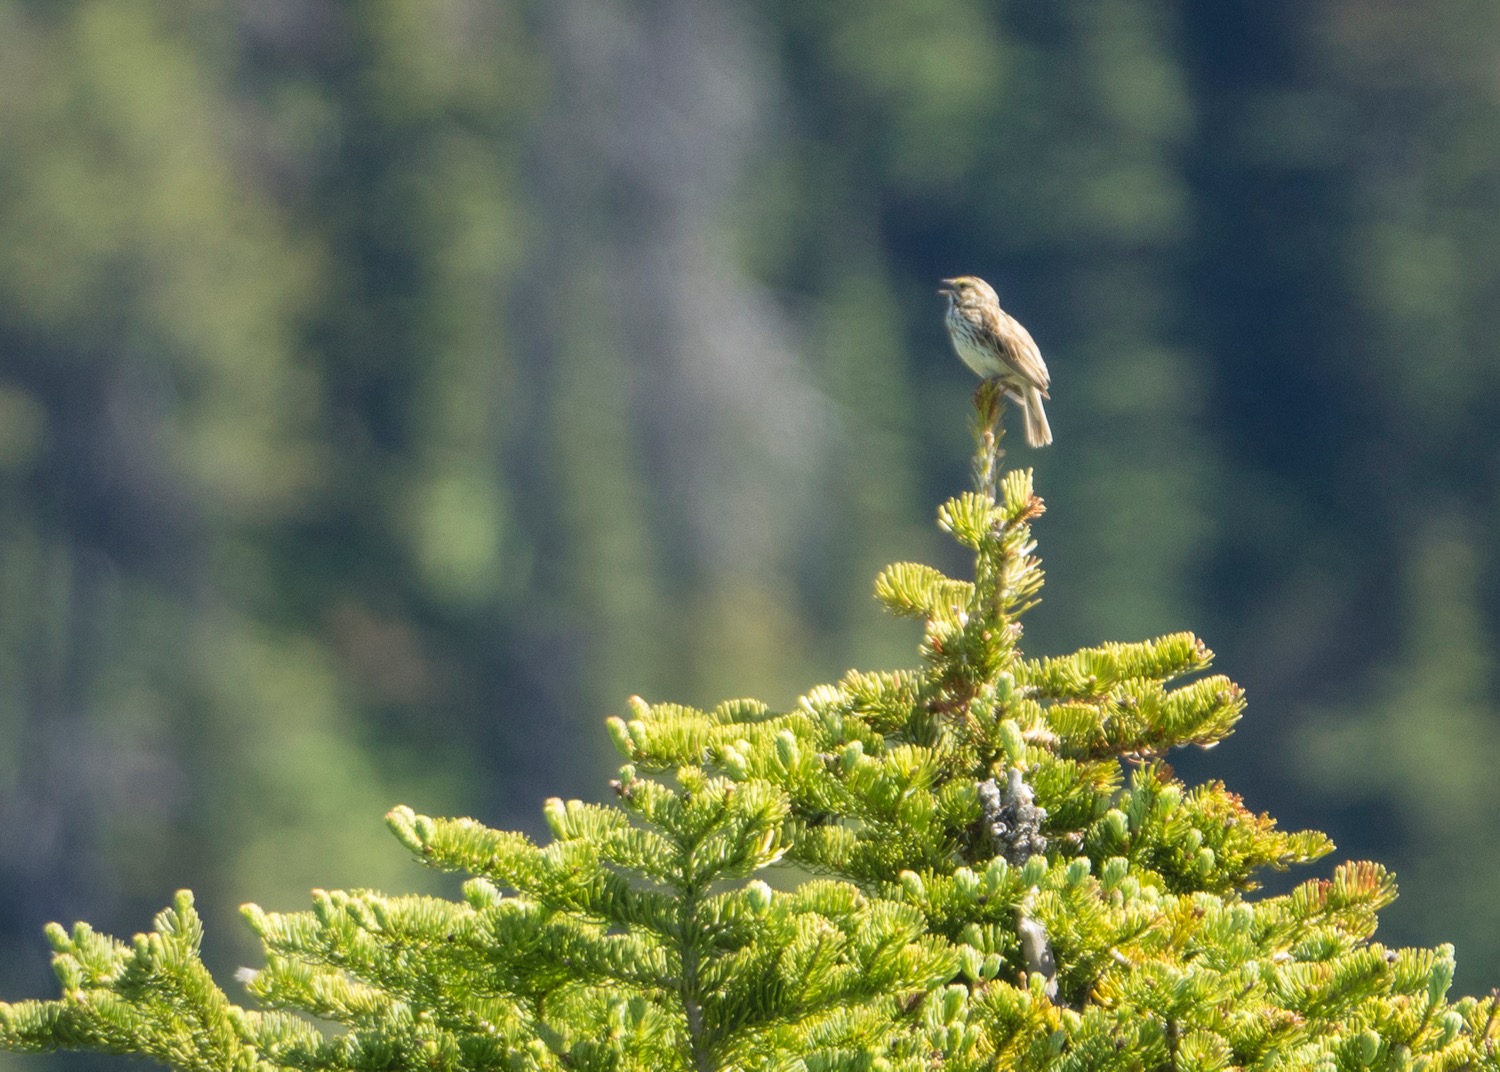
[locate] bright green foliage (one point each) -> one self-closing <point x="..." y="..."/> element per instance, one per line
<point x="1008" y="877"/>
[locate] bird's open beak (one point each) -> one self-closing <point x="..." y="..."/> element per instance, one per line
<point x="947" y="287"/>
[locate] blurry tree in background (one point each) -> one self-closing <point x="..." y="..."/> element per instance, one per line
<point x="1351" y="270"/>
<point x="388" y="390"/>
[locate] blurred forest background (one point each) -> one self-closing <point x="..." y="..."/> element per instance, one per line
<point x="390" y="389"/>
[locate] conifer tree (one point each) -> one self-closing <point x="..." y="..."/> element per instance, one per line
<point x="992" y="867"/>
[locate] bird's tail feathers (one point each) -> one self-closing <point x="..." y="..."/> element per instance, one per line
<point x="1038" y="431"/>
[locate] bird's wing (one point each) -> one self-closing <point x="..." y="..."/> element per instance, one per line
<point x="1026" y="357"/>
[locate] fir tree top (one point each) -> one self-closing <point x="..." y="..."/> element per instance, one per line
<point x="983" y="862"/>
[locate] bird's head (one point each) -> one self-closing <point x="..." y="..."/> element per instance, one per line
<point x="968" y="289"/>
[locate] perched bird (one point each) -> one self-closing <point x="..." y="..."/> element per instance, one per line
<point x="993" y="343"/>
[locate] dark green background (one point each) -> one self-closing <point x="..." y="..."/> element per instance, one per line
<point x="389" y="389"/>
